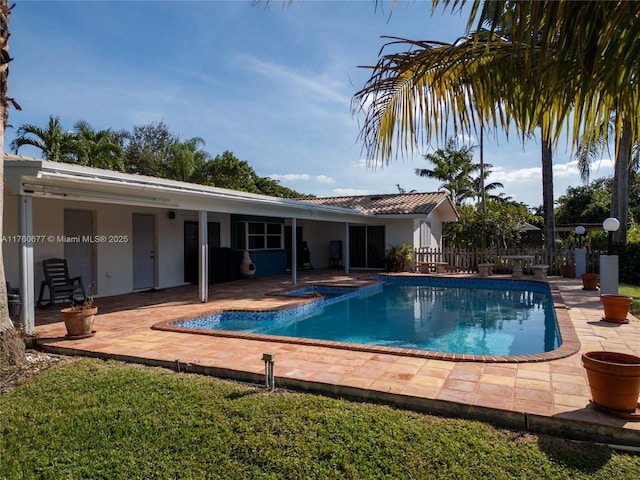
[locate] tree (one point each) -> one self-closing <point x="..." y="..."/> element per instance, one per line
<point x="11" y="344"/>
<point x="188" y="160"/>
<point x="627" y="153"/>
<point x="585" y="204"/>
<point x="524" y="63"/>
<point x="97" y="149"/>
<point x="453" y="165"/>
<point x="148" y="149"/>
<point x="502" y="221"/>
<point x="53" y="141"/>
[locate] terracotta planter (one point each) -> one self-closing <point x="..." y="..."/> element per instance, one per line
<point x="616" y="307"/>
<point x="79" y="322"/>
<point x="590" y="281"/>
<point x="568" y="271"/>
<point x="614" y="380"/>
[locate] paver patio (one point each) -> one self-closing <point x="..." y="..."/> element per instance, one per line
<point x="550" y="396"/>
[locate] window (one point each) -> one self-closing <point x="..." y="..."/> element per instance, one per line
<point x="425" y="233"/>
<point x="259" y="236"/>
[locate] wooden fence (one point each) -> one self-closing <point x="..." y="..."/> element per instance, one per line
<point x="467" y="260"/>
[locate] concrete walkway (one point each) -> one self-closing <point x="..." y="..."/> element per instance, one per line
<point x="549" y="396"/>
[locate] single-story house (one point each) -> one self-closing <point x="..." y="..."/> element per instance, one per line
<point x="123" y="233"/>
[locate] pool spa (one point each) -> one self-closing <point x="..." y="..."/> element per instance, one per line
<point x="449" y="318"/>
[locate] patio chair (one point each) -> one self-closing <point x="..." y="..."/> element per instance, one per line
<point x="60" y="285"/>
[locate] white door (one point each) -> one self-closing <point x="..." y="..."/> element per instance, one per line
<point x="143" y="251"/>
<point x="78" y="249"/>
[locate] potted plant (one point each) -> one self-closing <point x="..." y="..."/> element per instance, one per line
<point x="614" y="381"/>
<point x="590" y="281"/>
<point x="397" y="258"/>
<point x="78" y="318"/>
<point x="616" y="307"/>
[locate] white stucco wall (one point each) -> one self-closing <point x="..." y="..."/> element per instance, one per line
<point x="113" y="272"/>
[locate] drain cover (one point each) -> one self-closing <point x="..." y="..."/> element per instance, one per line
<point x="594" y="337"/>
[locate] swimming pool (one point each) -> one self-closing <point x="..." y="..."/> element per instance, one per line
<point x="456" y="316"/>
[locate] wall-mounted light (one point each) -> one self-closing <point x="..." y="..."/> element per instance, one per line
<point x="611" y="225"/>
<point x="172" y="215"/>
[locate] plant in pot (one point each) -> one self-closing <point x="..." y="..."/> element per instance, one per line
<point x="590" y="280"/>
<point x="79" y="317"/>
<point x="614" y="381"/>
<point x="616" y="307"/>
<point x="398" y="258"/>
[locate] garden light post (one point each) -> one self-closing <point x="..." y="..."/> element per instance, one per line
<point x="609" y="262"/>
<point x="580" y="254"/>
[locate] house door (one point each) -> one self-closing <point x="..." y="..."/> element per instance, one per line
<point x="144" y="264"/>
<point x="78" y="227"/>
<point x="366" y="246"/>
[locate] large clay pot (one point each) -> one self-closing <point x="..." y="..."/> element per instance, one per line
<point x="79" y="322"/>
<point x="568" y="271"/>
<point x="616" y="307"/>
<point x="590" y="281"/>
<point x="614" y="380"/>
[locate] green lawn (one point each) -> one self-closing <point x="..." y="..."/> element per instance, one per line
<point x="632" y="291"/>
<point x="107" y="420"/>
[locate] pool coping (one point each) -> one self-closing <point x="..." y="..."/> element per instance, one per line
<point x="570" y="343"/>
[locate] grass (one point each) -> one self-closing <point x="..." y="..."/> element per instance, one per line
<point x="107" y="420"/>
<point x="631" y="291"/>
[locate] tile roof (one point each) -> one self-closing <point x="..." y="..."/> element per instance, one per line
<point x="387" y="204"/>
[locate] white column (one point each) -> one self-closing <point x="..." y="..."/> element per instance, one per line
<point x="203" y="257"/>
<point x="609" y="274"/>
<point x="345" y="249"/>
<point x="294" y="251"/>
<point x="27" y="279"/>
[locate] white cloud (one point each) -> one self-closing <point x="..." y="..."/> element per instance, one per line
<point x="293" y="177"/>
<point x="311" y="82"/>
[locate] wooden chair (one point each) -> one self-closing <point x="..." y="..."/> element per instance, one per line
<point x="60" y="285"/>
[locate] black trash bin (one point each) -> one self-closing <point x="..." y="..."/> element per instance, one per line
<point x="14" y="306"/>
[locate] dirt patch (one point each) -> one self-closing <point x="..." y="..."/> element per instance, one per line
<point x="36" y="362"/>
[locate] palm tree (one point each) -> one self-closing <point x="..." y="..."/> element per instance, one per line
<point x="188" y="160"/>
<point x="97" y="148"/>
<point x="11" y="344"/>
<point x="53" y="141"/>
<point x="524" y="63"/>
<point x="453" y="165"/>
<point x="627" y="153"/>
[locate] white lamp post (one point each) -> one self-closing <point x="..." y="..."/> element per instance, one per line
<point x="580" y="253"/>
<point x="609" y="262"/>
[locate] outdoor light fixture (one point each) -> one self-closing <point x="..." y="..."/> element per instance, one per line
<point x="611" y="225"/>
<point x="579" y="232"/>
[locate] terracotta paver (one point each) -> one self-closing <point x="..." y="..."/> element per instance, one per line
<point x="540" y="394"/>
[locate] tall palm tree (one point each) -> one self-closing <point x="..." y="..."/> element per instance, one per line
<point x="11" y="344"/>
<point x="627" y="153"/>
<point x="53" y="141"/>
<point x="96" y="148"/>
<point x="453" y="165"/>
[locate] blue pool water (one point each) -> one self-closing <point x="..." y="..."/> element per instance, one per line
<point x="472" y="316"/>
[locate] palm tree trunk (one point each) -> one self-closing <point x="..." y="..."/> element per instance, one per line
<point x="11" y="344"/>
<point x="621" y="182"/>
<point x="547" y="196"/>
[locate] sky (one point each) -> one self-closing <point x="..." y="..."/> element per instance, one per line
<point x="271" y="83"/>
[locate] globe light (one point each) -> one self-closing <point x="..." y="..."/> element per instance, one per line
<point x="611" y="224"/>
